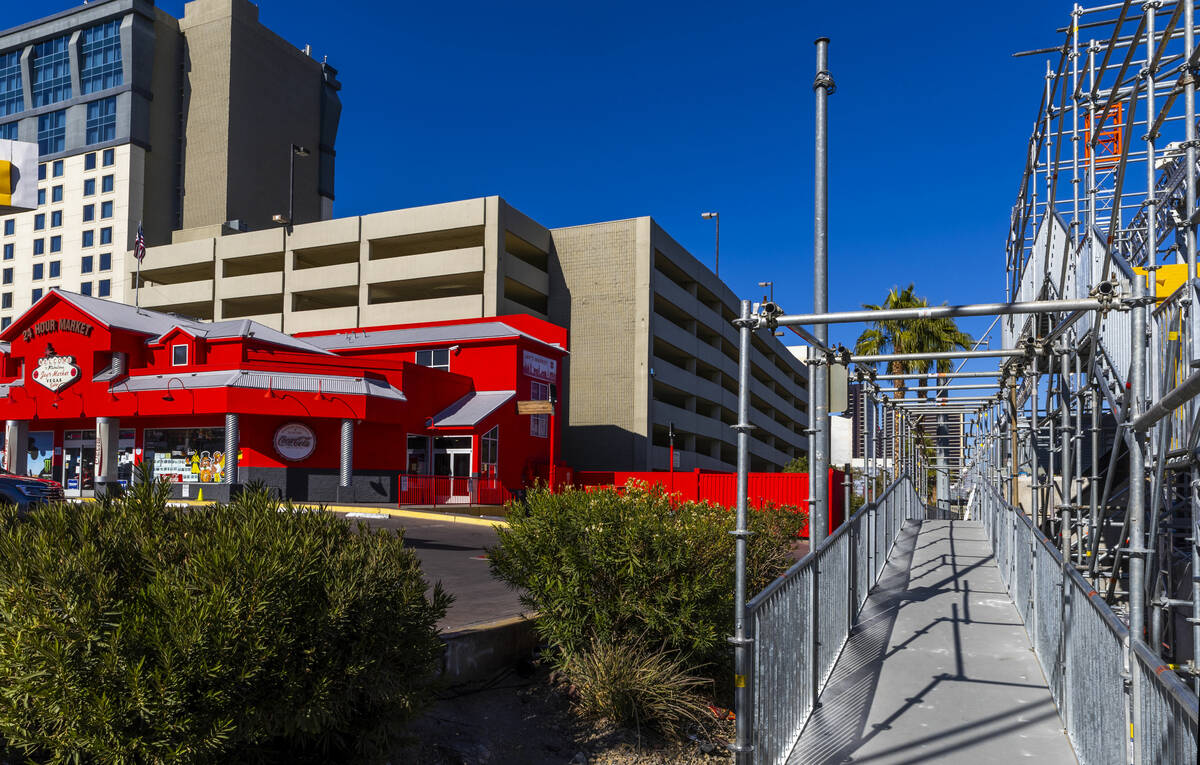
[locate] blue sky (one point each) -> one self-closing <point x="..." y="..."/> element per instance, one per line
<point x="581" y="112"/>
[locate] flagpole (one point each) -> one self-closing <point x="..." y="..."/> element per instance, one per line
<point x="137" y="286"/>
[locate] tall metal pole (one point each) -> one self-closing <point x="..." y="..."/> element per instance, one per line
<point x="742" y="676"/>
<point x="1137" y="498"/>
<point x="822" y="86"/>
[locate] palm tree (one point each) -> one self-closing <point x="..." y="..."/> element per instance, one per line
<point x="910" y="336"/>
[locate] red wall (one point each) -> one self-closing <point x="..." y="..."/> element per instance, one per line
<point x="721" y="488"/>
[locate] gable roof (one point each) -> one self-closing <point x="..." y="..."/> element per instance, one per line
<point x="447" y="333"/>
<point x="157" y="324"/>
<point x="472" y="408"/>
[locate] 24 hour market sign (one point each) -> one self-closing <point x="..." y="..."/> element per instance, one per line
<point x="57" y="325"/>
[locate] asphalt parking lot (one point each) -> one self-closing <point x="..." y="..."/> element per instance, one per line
<point x="455" y="555"/>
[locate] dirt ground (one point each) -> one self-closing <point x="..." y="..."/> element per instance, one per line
<point x="522" y="720"/>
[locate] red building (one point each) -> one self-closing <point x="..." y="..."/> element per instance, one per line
<point x="90" y="387"/>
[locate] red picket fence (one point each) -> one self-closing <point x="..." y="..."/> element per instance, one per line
<point x="447" y="490"/>
<point x="721" y="488"/>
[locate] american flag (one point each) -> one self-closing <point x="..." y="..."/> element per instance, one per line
<point x="139" y="245"/>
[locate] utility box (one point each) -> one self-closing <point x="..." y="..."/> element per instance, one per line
<point x="839" y="379"/>
<point x="18" y="176"/>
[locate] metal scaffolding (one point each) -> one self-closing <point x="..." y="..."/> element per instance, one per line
<point x="1092" y="434"/>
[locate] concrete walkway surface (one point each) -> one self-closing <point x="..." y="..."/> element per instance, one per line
<point x="939" y="668"/>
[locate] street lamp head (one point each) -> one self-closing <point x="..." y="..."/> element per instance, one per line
<point x="766" y="284"/>
<point x="280" y="219"/>
<point x="708" y="215"/>
<point x="299" y="151"/>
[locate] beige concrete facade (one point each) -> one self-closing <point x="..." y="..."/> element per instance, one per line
<point x="468" y="259"/>
<point x="652" y="342"/>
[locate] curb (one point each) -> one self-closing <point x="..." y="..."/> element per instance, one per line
<point x="354" y="511"/>
<point x="478" y="651"/>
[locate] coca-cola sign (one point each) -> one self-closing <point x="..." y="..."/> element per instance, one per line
<point x="295" y="442"/>
<point x="56" y="372"/>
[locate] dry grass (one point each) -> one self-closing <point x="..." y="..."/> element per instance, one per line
<point x="634" y="685"/>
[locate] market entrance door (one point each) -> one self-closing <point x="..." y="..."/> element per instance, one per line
<point x="79" y="463"/>
<point x="452" y="461"/>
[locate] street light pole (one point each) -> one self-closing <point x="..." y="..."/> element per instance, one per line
<point x="293" y="152"/>
<point x="715" y="217"/>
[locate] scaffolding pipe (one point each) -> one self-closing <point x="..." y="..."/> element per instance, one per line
<point x="937" y="356"/>
<point x="820" y="317"/>
<point x="1137" y="499"/>
<point x="742" y="676"/>
<point x="822" y="87"/>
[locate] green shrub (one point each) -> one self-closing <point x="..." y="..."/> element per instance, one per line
<point x="631" y="684"/>
<point x="130" y="632"/>
<point x="609" y="567"/>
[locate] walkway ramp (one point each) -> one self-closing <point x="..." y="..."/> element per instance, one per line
<point x="939" y="668"/>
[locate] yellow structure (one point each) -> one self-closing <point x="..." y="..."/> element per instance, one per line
<point x="1167" y="279"/>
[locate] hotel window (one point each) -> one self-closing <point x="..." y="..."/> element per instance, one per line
<point x="51" y="72"/>
<point x="105" y="261"/>
<point x="36" y="295"/>
<point x="52" y="132"/>
<point x="106" y="184"/>
<point x="89" y="161"/>
<point x="489" y="450"/>
<point x="12" y="98"/>
<point x="437" y="358"/>
<point x="39" y="270"/>
<point x="85" y="264"/>
<point x="100" y="57"/>
<point x="39" y="221"/>
<point x="56" y="193"/>
<point x="89" y="213"/>
<point x="85" y="288"/>
<point x="106" y="235"/>
<point x="8" y="276"/>
<point x="6" y="300"/>
<point x="5" y="321"/>
<point x="104" y="285"/>
<point x="110" y="159"/>
<point x="106" y="209"/>
<point x="89" y="187"/>
<point x="89" y="238"/>
<point x="101" y="120"/>
<point x="57" y="172"/>
<point x="39" y="246"/>
<point x="179" y="355"/>
<point x="10" y="227"/>
<point x="8" y="131"/>
<point x="56" y="244"/>
<point x="56" y="219"/>
<point x="539" y="424"/>
<point x="55" y="269"/>
<point x="42" y="172"/>
<point x="9" y="251"/>
<point x="41" y="197"/>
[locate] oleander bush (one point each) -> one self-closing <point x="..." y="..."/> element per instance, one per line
<point x="134" y="632"/>
<point x="610" y="568"/>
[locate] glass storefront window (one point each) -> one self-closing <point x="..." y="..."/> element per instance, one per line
<point x="186" y="455"/>
<point x="418" y="455"/>
<point x="40" y="454"/>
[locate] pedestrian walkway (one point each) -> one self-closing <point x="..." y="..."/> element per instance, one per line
<point x="939" y="668"/>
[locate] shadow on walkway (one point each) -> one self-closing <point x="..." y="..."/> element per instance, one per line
<point x="938" y="669"/>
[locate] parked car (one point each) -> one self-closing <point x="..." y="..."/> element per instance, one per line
<point x="24" y="491"/>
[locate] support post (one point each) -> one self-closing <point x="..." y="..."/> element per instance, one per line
<point x="1137" y="500"/>
<point x="16" y="436"/>
<point x="743" y="670"/>
<point x="822" y="86"/>
<point x="233" y="438"/>
<point x="108" y="432"/>
<point x="346" y="464"/>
